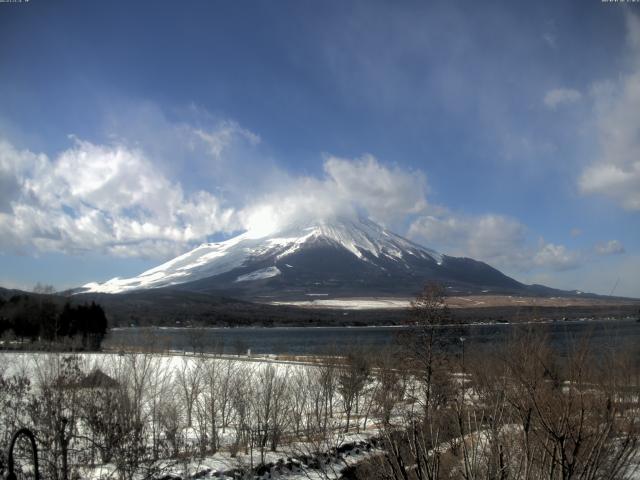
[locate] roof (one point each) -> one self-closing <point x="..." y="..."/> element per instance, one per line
<point x="97" y="379"/>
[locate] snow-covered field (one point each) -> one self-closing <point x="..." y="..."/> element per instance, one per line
<point x="241" y="385"/>
<point x="214" y="417"/>
<point x="319" y="300"/>
<point x="350" y="303"/>
<point x="12" y="363"/>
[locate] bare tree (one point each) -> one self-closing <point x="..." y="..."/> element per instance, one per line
<point x="15" y="389"/>
<point x="353" y="375"/>
<point x="317" y="414"/>
<point x="428" y="313"/>
<point x="188" y="378"/>
<point x="576" y="422"/>
<point x="390" y="384"/>
<point x="228" y="371"/>
<point x="172" y="423"/>
<point x="270" y="407"/>
<point x="54" y="411"/>
<point x="160" y="386"/>
<point x="413" y="442"/>
<point x="134" y="374"/>
<point x="241" y="393"/>
<point x="212" y="399"/>
<point x="327" y="382"/>
<point x="300" y="397"/>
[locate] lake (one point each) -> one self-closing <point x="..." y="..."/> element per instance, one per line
<point x="318" y="340"/>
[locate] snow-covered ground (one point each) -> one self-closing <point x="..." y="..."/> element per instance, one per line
<point x="159" y="377"/>
<point x="350" y="303"/>
<point x="152" y="370"/>
<point x="12" y="363"/>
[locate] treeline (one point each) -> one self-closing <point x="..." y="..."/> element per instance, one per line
<point x="40" y="318"/>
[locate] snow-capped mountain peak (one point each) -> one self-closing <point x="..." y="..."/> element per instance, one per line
<point x="364" y="236"/>
<point x="364" y="239"/>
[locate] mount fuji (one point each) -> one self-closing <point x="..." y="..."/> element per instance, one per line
<point x="329" y="258"/>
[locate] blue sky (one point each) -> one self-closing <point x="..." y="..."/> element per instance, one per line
<point x="504" y="131"/>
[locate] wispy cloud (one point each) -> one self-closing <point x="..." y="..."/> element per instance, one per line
<point x="616" y="173"/>
<point x="559" y="96"/>
<point x="550" y="39"/>
<point x="222" y="137"/>
<point x="612" y="247"/>
<point x="348" y="187"/>
<point x="499" y="240"/>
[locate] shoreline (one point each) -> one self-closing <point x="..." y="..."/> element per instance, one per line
<point x="390" y="326"/>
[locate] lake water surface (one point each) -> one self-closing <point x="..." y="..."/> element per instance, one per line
<point x="602" y="334"/>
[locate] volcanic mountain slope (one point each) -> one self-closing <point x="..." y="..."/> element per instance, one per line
<point x="336" y="258"/>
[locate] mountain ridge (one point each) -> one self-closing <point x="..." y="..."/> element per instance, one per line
<point x="343" y="256"/>
<point x="339" y="258"/>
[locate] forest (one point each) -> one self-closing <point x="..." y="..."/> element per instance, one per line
<point x="40" y="322"/>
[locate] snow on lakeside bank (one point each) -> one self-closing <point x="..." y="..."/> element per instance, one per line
<point x="351" y="303"/>
<point x="165" y="368"/>
<point x="153" y="368"/>
<point x="454" y="302"/>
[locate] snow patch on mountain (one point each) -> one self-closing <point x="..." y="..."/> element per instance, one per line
<point x="259" y="274"/>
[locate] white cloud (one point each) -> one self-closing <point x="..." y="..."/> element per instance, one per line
<point x="616" y="173"/>
<point x="498" y="240"/>
<point x="612" y="247"/>
<point x="14" y="165"/>
<point x="560" y="96"/>
<point x="349" y="187"/>
<point x="487" y="236"/>
<point x="224" y="135"/>
<point x="112" y="198"/>
<point x="384" y="192"/>
<point x="617" y="274"/>
<point x="621" y="182"/>
<point x="107" y="198"/>
<point x="550" y="39"/>
<point x="555" y="257"/>
<point x="205" y="151"/>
